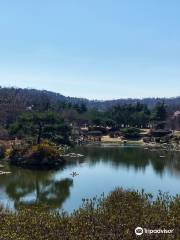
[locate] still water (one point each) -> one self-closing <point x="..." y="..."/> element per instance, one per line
<point x="102" y="169"/>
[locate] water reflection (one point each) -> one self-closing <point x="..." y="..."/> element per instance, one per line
<point x="130" y="157"/>
<point x="36" y="188"/>
<point x="54" y="188"/>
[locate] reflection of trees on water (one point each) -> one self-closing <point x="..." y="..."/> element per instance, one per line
<point x="136" y="157"/>
<point x="38" y="189"/>
<point x="26" y="187"/>
<point x="174" y="165"/>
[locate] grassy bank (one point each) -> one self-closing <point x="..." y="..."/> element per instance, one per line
<point x="113" y="217"/>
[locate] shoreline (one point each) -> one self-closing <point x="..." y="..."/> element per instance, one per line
<point x="171" y="146"/>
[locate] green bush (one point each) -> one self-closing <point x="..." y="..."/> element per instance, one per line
<point x="131" y="133"/>
<point x="114" y="217"/>
<point x="44" y="155"/>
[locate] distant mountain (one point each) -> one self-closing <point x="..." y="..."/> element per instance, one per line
<point x="173" y="102"/>
<point x="29" y="97"/>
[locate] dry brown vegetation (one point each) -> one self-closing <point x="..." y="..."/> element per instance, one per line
<point x="114" y="217"/>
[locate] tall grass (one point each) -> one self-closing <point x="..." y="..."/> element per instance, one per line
<point x="112" y="217"/>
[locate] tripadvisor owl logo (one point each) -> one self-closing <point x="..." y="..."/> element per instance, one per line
<point x="139" y="231"/>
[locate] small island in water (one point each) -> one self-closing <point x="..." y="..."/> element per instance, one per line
<point x="49" y="146"/>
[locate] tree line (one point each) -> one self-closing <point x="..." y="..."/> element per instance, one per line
<point x="25" y="111"/>
<point x="14" y="101"/>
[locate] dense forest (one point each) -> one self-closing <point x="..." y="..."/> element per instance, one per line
<point x="133" y="112"/>
<point x="35" y="123"/>
<point x="32" y="96"/>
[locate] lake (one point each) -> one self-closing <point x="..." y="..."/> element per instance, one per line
<point x="102" y="169"/>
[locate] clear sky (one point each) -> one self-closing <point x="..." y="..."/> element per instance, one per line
<point x="101" y="49"/>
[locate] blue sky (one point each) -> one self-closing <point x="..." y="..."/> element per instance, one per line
<point x="99" y="49"/>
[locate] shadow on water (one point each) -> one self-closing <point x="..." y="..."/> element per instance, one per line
<point x="132" y="157"/>
<point x="38" y="188"/>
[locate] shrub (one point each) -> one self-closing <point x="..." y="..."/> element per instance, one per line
<point x="44" y="155"/>
<point x="113" y="217"/>
<point x="131" y="133"/>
